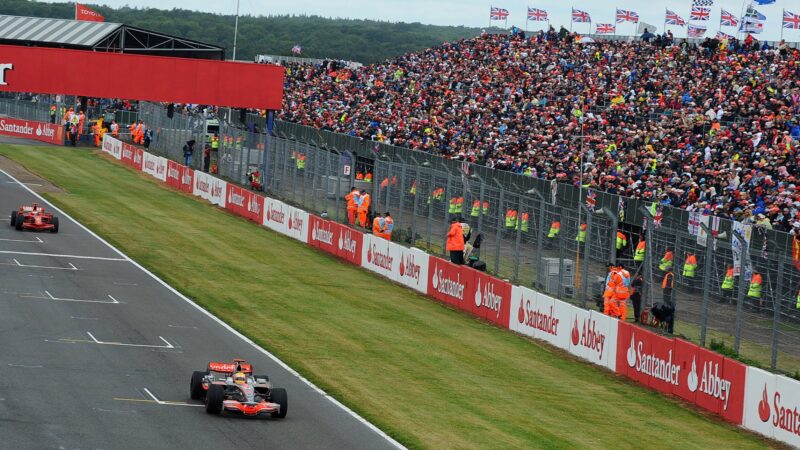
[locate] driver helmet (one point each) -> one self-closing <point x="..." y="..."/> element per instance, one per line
<point x="240" y="378"/>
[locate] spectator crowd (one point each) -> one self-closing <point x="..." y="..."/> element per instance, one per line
<point x="713" y="127"/>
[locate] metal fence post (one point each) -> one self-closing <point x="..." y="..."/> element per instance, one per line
<point x="539" y="241"/>
<point x="740" y="295"/>
<point x="586" y="249"/>
<point x="447" y="198"/>
<point x="416" y="205"/>
<point x="706" y="284"/>
<point x="776" y="317"/>
<point x="518" y="240"/>
<point x="498" y="235"/>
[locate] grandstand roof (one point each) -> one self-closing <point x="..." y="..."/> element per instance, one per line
<point x="100" y="36"/>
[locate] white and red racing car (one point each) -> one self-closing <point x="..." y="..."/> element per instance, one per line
<point x="232" y="387"/>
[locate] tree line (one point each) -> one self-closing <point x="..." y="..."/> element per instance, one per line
<point x="366" y="41"/>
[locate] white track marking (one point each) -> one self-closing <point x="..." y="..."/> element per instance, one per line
<point x="25" y="366"/>
<point x="182" y="326"/>
<point x="167" y="403"/>
<point x="26" y="184"/>
<point x="83" y="318"/>
<point x="37" y="241"/>
<point x="49" y="296"/>
<point x="54" y="255"/>
<point x="119" y="344"/>
<point x="18" y="264"/>
<point x="125" y="284"/>
<point x="219" y="321"/>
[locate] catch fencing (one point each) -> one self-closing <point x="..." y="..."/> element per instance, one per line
<point x="304" y="168"/>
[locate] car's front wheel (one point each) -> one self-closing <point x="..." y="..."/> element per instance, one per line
<point x="196" y="391"/>
<point x="13" y="218"/>
<point x="214" y="398"/>
<point x="55" y="225"/>
<point x="280" y="397"/>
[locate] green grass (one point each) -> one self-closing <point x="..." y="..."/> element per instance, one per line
<point x="430" y="376"/>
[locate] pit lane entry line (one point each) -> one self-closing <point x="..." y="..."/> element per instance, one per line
<point x="37" y="241"/>
<point x="18" y="264"/>
<point x="120" y="344"/>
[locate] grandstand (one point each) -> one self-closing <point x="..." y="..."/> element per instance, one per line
<point x="710" y="127"/>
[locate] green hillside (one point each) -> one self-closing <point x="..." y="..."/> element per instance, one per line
<point x="356" y="40"/>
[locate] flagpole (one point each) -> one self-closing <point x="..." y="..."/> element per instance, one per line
<point x="572" y="19"/>
<point x="741" y="20"/>
<point x="76" y="10"/>
<point x="236" y="30"/>
<point x="783" y="15"/>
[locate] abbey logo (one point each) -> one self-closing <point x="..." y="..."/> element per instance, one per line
<point x="3" y="69"/>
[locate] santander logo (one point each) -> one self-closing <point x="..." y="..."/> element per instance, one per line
<point x="126" y="152"/>
<point x="376" y="258"/>
<point x="447" y="286"/>
<point x="542" y="321"/>
<point x="586" y="335"/>
<point x="236" y="199"/>
<point x="150" y="165"/>
<point x="321" y="234"/>
<point x="651" y="364"/>
<point x="408" y="268"/>
<point x="786" y="418"/>
<point x="488" y="298"/>
<point x="275" y="215"/>
<point x="173" y="173"/>
<point x="186" y="179"/>
<point x="202" y="186"/>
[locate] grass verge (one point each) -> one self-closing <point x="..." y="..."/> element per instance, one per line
<point x="430" y="376"/>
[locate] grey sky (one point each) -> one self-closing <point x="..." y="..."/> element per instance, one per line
<point x="476" y="12"/>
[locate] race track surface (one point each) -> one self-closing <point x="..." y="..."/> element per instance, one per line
<point x="90" y="340"/>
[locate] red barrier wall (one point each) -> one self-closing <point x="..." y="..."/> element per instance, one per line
<point x="29" y="129"/>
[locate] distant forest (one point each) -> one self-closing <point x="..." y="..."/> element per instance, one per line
<point x="366" y="41"/>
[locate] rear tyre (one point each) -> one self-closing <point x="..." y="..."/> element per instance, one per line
<point x="279" y="396"/>
<point x="214" y="398"/>
<point x="18" y="222"/>
<point x="196" y="391"/>
<point x="55" y="225"/>
<point x="13" y="218"/>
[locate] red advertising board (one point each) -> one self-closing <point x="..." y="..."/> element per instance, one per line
<point x="451" y="284"/>
<point x="492" y="298"/>
<point x="28" y="129"/>
<point x="323" y="234"/>
<point x="180" y="80"/>
<point x="174" y="174"/>
<point x="128" y="152"/>
<point x="736" y="373"/>
<point x="138" y="159"/>
<point x="244" y="203"/>
<point x="187" y="180"/>
<point x="646" y="357"/>
<point x="350" y="244"/>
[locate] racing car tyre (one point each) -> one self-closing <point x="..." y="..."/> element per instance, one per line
<point x="279" y="396"/>
<point x="18" y="223"/>
<point x="214" y="398"/>
<point x="55" y="225"/>
<point x="196" y="391"/>
<point x="13" y="218"/>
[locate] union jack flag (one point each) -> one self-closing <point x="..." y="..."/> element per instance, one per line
<point x="496" y="13"/>
<point x="627" y="16"/>
<point x="591" y="200"/>
<point x="791" y="21"/>
<point x="536" y="14"/>
<point x="671" y="18"/>
<point x="703" y="3"/>
<point x="696" y="31"/>
<point x="605" y="28"/>
<point x="727" y="19"/>
<point x="720" y="36"/>
<point x="700" y="13"/>
<point x="579" y="16"/>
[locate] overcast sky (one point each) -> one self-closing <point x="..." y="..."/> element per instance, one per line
<point x="476" y="12"/>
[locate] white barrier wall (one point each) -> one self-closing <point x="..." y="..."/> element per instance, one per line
<point x="285" y="219"/>
<point x="209" y="188"/>
<point x="537" y="315"/>
<point x="112" y="146"/>
<point x="411" y="269"/>
<point x="153" y="165"/>
<point x="379" y="255"/>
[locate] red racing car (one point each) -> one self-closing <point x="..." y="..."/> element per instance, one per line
<point x="34" y="218"/>
<point x="232" y="387"/>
